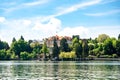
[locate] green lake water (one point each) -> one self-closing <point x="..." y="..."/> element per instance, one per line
<point x="63" y="70"/>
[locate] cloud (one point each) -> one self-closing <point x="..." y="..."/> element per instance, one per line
<point x="35" y="3"/>
<point x="112" y="31"/>
<point x="25" y="5"/>
<point x="108" y="1"/>
<point x="76" y="7"/>
<point x="2" y="19"/>
<point x="50" y="27"/>
<point x="104" y="13"/>
<point x="26" y="22"/>
<point x="79" y="30"/>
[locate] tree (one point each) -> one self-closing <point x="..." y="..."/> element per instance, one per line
<point x="22" y="38"/>
<point x="13" y="39"/>
<point x="44" y="49"/>
<point x="76" y="36"/>
<point x="118" y="47"/>
<point x="55" y="50"/>
<point x="36" y="47"/>
<point x="4" y="45"/>
<point x="26" y="56"/>
<point x="2" y="54"/>
<point x="85" y="48"/>
<point x="102" y="37"/>
<point x="77" y="47"/>
<point x="20" y="46"/>
<point x="75" y="40"/>
<point x="64" y="45"/>
<point x="108" y="47"/>
<point x="119" y="36"/>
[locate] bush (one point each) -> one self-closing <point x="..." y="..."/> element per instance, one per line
<point x="66" y="55"/>
<point x="25" y="56"/>
<point x="114" y="55"/>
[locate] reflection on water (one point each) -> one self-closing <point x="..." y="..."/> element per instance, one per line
<point x="84" y="70"/>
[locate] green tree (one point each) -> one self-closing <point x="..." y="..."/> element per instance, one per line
<point x="13" y="40"/>
<point x="44" y="50"/>
<point x="64" y="45"/>
<point x="85" y="48"/>
<point x="76" y="36"/>
<point x="4" y="45"/>
<point x="119" y="36"/>
<point x="22" y="38"/>
<point x="102" y="37"/>
<point x="55" y="50"/>
<point x="20" y="46"/>
<point x="36" y="47"/>
<point x="118" y="47"/>
<point x="2" y="54"/>
<point x="108" y="47"/>
<point x="24" y="56"/>
<point x="77" y="47"/>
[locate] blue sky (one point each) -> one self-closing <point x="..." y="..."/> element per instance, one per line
<point x="38" y="19"/>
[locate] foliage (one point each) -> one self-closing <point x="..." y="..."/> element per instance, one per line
<point x="77" y="47"/>
<point x="103" y="46"/>
<point x="44" y="49"/>
<point x="26" y="56"/>
<point x="118" y="47"/>
<point x="20" y="46"/>
<point x="66" y="55"/>
<point x="108" y="47"/>
<point x="13" y="39"/>
<point x="85" y="48"/>
<point x="4" y="45"/>
<point x="36" y="47"/>
<point x="118" y="36"/>
<point x="114" y="55"/>
<point x="64" y="45"/>
<point x="55" y="51"/>
<point x="102" y="37"/>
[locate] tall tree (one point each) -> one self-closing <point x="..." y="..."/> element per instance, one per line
<point x="64" y="45"/>
<point x="55" y="50"/>
<point x="13" y="40"/>
<point x="44" y="50"/>
<point x="119" y="36"/>
<point x="22" y="38"/>
<point x="77" y="47"/>
<point x="118" y="47"/>
<point x="108" y="47"/>
<point x="85" y="48"/>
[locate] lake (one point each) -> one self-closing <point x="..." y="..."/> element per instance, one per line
<point x="70" y="70"/>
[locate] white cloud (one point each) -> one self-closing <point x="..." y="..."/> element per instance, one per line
<point x="35" y="3"/>
<point x="108" y="1"/>
<point x="76" y="7"/>
<point x="26" y="22"/>
<point x="25" y="5"/>
<point x="49" y="28"/>
<point x="69" y="31"/>
<point x="2" y="19"/>
<point x="104" y="13"/>
<point x="112" y="31"/>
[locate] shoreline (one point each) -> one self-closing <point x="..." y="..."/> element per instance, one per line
<point x="81" y="59"/>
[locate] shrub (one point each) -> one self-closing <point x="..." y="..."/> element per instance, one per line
<point x="114" y="55"/>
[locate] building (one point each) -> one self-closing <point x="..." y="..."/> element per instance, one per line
<point x="50" y="40"/>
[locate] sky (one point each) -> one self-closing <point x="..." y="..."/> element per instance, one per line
<point x="38" y="19"/>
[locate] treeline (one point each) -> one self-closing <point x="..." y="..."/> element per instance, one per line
<point x="102" y="46"/>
